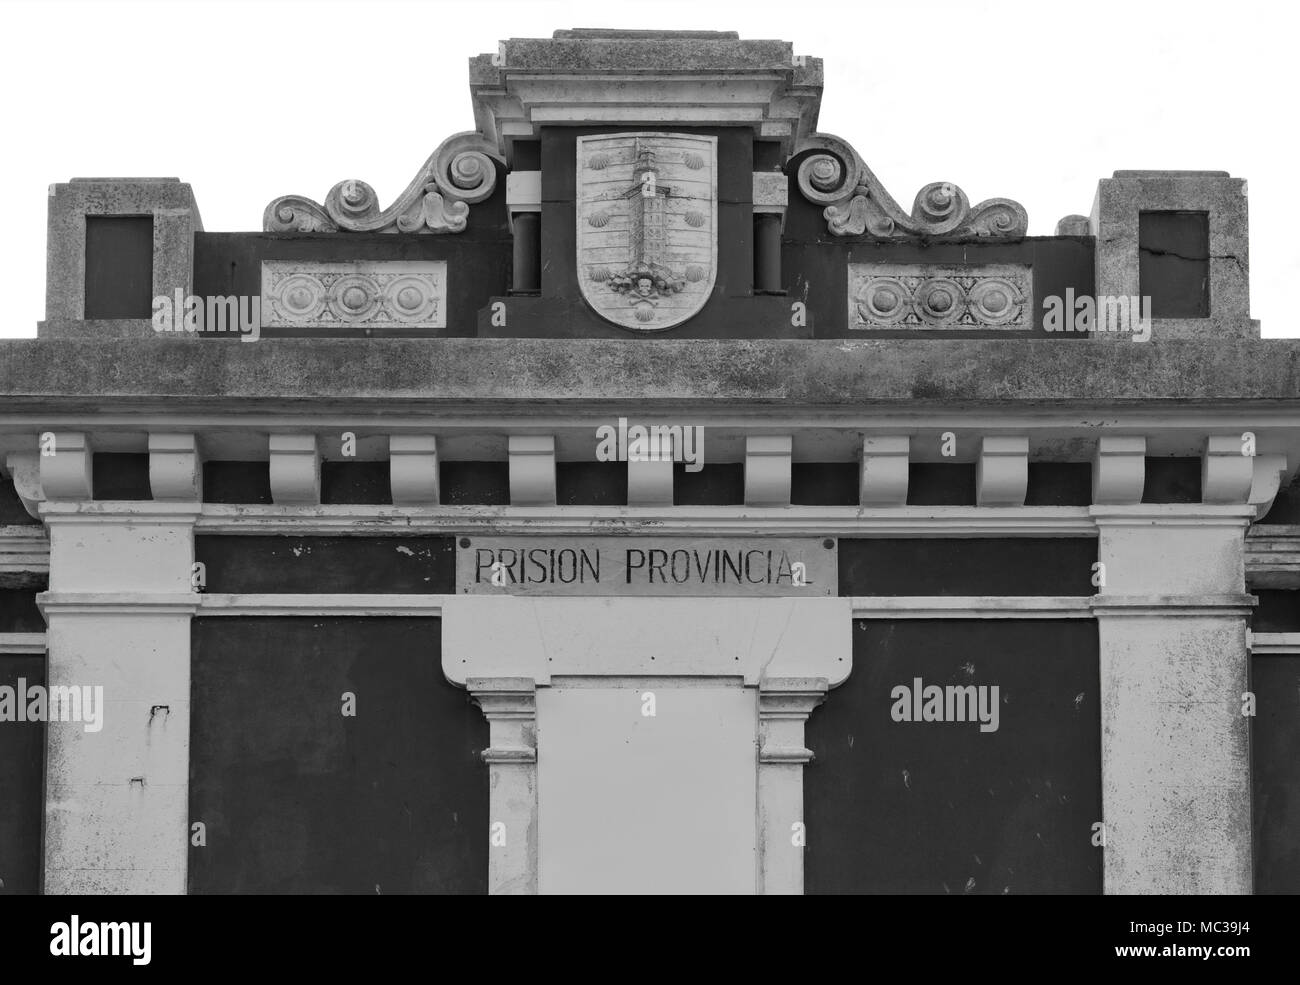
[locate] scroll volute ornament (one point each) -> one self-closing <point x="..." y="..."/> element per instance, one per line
<point x="460" y="173"/>
<point x="856" y="203"/>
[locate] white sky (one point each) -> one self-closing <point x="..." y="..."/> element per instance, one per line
<point x="250" y="99"/>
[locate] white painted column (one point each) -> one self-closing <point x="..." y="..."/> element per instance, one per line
<point x="510" y="706"/>
<point x="118" y="611"/>
<point x="784" y="704"/>
<point x="1172" y="620"/>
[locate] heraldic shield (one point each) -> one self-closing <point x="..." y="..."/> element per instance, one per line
<point x="647" y="226"/>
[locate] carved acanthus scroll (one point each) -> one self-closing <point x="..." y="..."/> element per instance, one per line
<point x="457" y="175"/>
<point x="856" y="203"/>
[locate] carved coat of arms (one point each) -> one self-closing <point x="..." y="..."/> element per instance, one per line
<point x="647" y="226"/>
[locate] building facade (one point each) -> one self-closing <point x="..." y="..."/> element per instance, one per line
<point x="646" y="501"/>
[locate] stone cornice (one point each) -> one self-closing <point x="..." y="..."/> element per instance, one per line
<point x="632" y="78"/>
<point x="1187" y="376"/>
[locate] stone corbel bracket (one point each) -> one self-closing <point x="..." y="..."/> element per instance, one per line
<point x="856" y="203"/>
<point x="460" y="173"/>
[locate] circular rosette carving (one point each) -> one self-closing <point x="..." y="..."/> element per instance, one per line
<point x="410" y="299"/>
<point x="300" y="298"/>
<point x="995" y="301"/>
<point x="353" y="298"/>
<point x="940" y="301"/>
<point x="884" y="301"/>
<point x="939" y="208"/>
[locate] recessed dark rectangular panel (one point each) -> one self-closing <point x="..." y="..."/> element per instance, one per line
<point x="1278" y="611"/>
<point x="722" y="484"/>
<point x="941" y="806"/>
<point x="119" y="266"/>
<point x="967" y="566"/>
<point x="824" y="484"/>
<point x="474" y="483"/>
<point x="18" y="611"/>
<point x="1172" y="480"/>
<point x="1174" y="263"/>
<point x="22" y="783"/>
<point x="355" y="482"/>
<point x="1059" y="484"/>
<point x="941" y="484"/>
<point x="591" y="483"/>
<point x="1275" y="772"/>
<point x="237" y="482"/>
<point x="120" y="476"/>
<point x="407" y="565"/>
<point x="299" y="797"/>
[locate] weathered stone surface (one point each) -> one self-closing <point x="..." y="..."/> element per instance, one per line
<point x="1115" y="211"/>
<point x="175" y="215"/>
<point x="590" y="76"/>
<point x="519" y="371"/>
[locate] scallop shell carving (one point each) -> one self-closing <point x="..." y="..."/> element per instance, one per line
<point x="598" y="274"/>
<point x="694" y="161"/>
<point x="598" y="162"/>
<point x="645" y="312"/>
<point x="695" y="218"/>
<point x="599" y="219"/>
<point x="695" y="273"/>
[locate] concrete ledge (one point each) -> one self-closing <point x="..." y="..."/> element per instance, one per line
<point x="46" y="374"/>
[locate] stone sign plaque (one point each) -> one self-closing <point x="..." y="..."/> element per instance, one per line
<point x="672" y="566"/>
